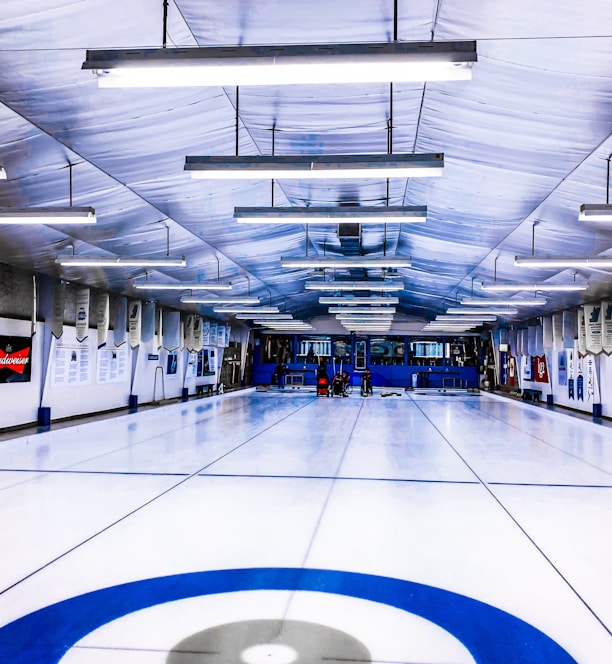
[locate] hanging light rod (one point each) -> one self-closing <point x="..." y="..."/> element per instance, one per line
<point x="355" y="285"/>
<point x="533" y="287"/>
<point x="594" y="212"/>
<point x="364" y="318"/>
<point x="465" y="318"/>
<point x="212" y="285"/>
<point x="192" y="299"/>
<point x="281" y="65"/>
<point x="325" y="166"/>
<point x="48" y="215"/>
<point x="346" y="262"/>
<point x="246" y="310"/>
<point x="460" y="311"/>
<point x="361" y="310"/>
<point x="486" y="302"/>
<point x="267" y="316"/>
<point x="110" y="261"/>
<point x="338" y="214"/>
<point x="568" y="261"/>
<point x="350" y="300"/>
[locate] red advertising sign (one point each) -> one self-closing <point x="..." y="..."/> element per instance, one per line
<point x="15" y="359"/>
<point x="540" y="370"/>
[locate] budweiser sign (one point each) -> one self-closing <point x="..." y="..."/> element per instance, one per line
<point x="15" y="359"/>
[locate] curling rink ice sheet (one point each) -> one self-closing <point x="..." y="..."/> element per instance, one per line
<point x="258" y="527"/>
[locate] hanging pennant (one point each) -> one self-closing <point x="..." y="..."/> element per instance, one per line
<point x="571" y="380"/>
<point x="557" y="330"/>
<point x="570" y="328"/>
<point x="148" y="321"/>
<point x="547" y="333"/>
<point x="57" y="315"/>
<point x="539" y="340"/>
<point x="592" y="319"/>
<point x="582" y="349"/>
<point x="228" y="333"/>
<point x="102" y="320"/>
<point x="531" y="340"/>
<point x="206" y="333"/>
<point x="525" y="342"/>
<point x="592" y="383"/>
<point x="134" y="322"/>
<point x="120" y="322"/>
<point x="189" y="338"/>
<point x="172" y="329"/>
<point x="197" y="334"/>
<point x="606" y="332"/>
<point x="562" y="367"/>
<point x="159" y="327"/>
<point x="82" y="314"/>
<point x="213" y="334"/>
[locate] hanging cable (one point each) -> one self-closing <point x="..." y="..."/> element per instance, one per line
<point x="165" y="24"/>
<point x="237" y="116"/>
<point x="70" y="181"/>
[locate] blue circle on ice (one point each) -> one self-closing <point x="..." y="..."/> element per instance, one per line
<point x="490" y="635"/>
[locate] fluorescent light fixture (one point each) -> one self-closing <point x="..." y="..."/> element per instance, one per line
<point x="260" y="315"/>
<point x="486" y="302"/>
<point x="364" y="317"/>
<point x="261" y="167"/>
<point x="259" y="311"/>
<point x="482" y="318"/>
<point x="151" y="285"/>
<point x="533" y="287"/>
<point x="459" y="311"/>
<point x="448" y="326"/>
<point x="48" y="215"/>
<point x="346" y="262"/>
<point x="594" y="212"/>
<point x="355" y="285"/>
<point x="281" y="65"/>
<point x="111" y="261"/>
<point x="361" y="310"/>
<point x="351" y="300"/>
<point x="338" y="214"/>
<point x="2" y="173"/>
<point x="568" y="261"/>
<point x="192" y="299"/>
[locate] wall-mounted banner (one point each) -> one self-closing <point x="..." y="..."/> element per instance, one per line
<point x="581" y="332"/>
<point x="172" y="365"/>
<point x="511" y="342"/>
<point x="147" y="327"/>
<point x="213" y="334"/>
<point x="159" y="327"/>
<point x="57" y="315"/>
<point x="592" y="317"/>
<point x="82" y="314"/>
<point x="519" y="343"/>
<point x="228" y="334"/>
<point x="570" y="328"/>
<point x="120" y="322"/>
<point x="557" y="325"/>
<point x="71" y="365"/>
<point x="172" y="329"/>
<point x="512" y="372"/>
<point x="220" y="335"/>
<point x="112" y="365"/>
<point x="102" y="319"/>
<point x="606" y="332"/>
<point x="531" y="339"/>
<point x="580" y="378"/>
<point x="197" y="333"/>
<point x="134" y="322"/>
<point x="562" y="367"/>
<point x="592" y="384"/>
<point x="539" y="340"/>
<point x="206" y="333"/>
<point x="525" y="342"/>
<point x="189" y="338"/>
<point x="15" y="359"/>
<point x="547" y="333"/>
<point x="540" y="369"/>
<point x="571" y="379"/>
<point x="527" y="369"/>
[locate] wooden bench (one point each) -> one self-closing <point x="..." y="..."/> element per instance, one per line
<point x="530" y="394"/>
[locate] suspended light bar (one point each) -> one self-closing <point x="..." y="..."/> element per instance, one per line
<point x="361" y="310"/>
<point x="48" y="215"/>
<point x="482" y="318"/>
<point x="568" y="261"/>
<point x="533" y="287"/>
<point x="459" y="311"/>
<point x="110" y="261"/>
<point x="594" y="212"/>
<point x="219" y="300"/>
<point x="268" y="316"/>
<point x="260" y="167"/>
<point x="346" y="262"/>
<point x="212" y="285"/>
<point x="280" y="65"/>
<point x="354" y="285"/>
<point x="350" y="300"/>
<point x="338" y="214"/>
<point x="246" y="310"/>
<point x="486" y="302"/>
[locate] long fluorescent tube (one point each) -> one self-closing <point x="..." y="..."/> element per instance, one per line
<point x="189" y="299"/>
<point x="259" y="314"/>
<point x="280" y="65"/>
<point x="350" y="300"/>
<point x="460" y="311"/>
<point x="246" y="310"/>
<point x="48" y="215"/>
<point x="486" y="302"/>
<point x="309" y="167"/>
<point x="151" y="285"/>
<point x="346" y="262"/>
<point x="361" y="310"/>
<point x="339" y="214"/>
<point x="594" y="212"/>
<point x="568" y="261"/>
<point x="533" y="287"/>
<point x="355" y="285"/>
<point x="482" y="318"/>
<point x="110" y="261"/>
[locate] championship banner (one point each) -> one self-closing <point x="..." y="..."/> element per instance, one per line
<point x="592" y="317"/>
<point x="531" y="340"/>
<point x="512" y="373"/>
<point x="592" y="384"/>
<point x="547" y="333"/>
<point x="189" y="336"/>
<point x="519" y="343"/>
<point x="581" y="332"/>
<point x="571" y="381"/>
<point x="15" y="359"/>
<point x="606" y="332"/>
<point x="148" y="321"/>
<point x="120" y="322"/>
<point x="57" y="315"/>
<point x="134" y="322"/>
<point x="102" y="320"/>
<point x="525" y="342"/>
<point x="527" y="369"/>
<point x="213" y="334"/>
<point x="570" y="329"/>
<point x="206" y="333"/>
<point x="172" y="329"/>
<point x="540" y="369"/>
<point x="82" y="314"/>
<point x="557" y="325"/>
<point x="228" y="334"/>
<point x="539" y="340"/>
<point x="562" y="367"/>
<point x="511" y="342"/>
<point x="197" y="334"/>
<point x="220" y="335"/>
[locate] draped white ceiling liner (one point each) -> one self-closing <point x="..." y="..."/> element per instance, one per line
<point x="526" y="142"/>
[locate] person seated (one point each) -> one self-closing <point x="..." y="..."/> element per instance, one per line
<point x="366" y="382"/>
<point x="337" y="385"/>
